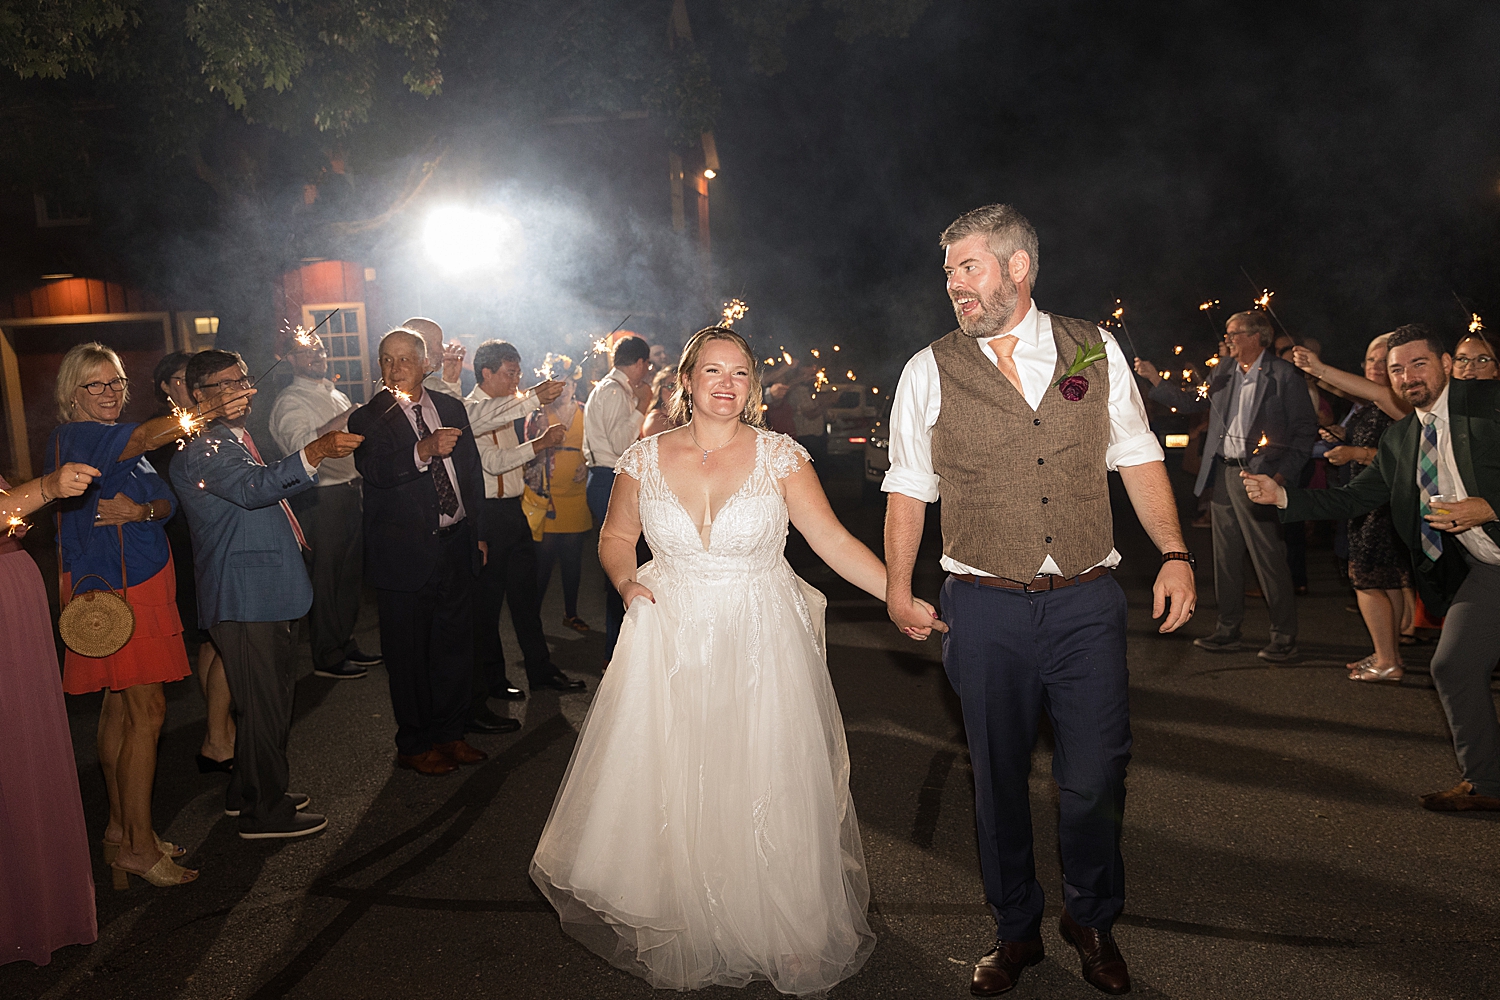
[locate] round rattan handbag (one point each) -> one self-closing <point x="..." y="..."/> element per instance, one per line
<point x="99" y="622"/>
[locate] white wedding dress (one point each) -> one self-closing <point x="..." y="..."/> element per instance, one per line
<point x="703" y="834"/>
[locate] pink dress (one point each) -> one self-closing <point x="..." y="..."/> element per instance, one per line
<point x="46" y="879"/>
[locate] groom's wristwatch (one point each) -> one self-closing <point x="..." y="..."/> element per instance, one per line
<point x="1186" y="557"/>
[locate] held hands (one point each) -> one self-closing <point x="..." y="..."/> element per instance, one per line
<point x="1175" y="593"/>
<point x="334" y="444"/>
<point x="120" y="509"/>
<point x="69" y="481"/>
<point x="915" y="617"/>
<point x="548" y="391"/>
<point x="1147" y="371"/>
<point x="630" y="590"/>
<point x="1461" y="515"/>
<point x="1263" y="489"/>
<point x="453" y="361"/>
<point x="550" y="438"/>
<point x="439" y="444"/>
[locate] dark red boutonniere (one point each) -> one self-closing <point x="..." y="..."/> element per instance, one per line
<point x="1073" y="385"/>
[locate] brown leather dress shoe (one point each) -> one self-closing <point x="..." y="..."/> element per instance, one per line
<point x="1000" y="970"/>
<point x="460" y="752"/>
<point x="1103" y="966"/>
<point x="1460" y="798"/>
<point x="429" y="762"/>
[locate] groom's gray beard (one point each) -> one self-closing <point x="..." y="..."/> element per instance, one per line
<point x="998" y="309"/>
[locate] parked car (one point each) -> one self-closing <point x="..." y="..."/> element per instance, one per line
<point x="854" y="410"/>
<point x="878" y="449"/>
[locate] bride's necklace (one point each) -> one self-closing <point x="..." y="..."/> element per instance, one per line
<point x="709" y="451"/>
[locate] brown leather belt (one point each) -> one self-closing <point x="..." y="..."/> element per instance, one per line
<point x="1040" y="584"/>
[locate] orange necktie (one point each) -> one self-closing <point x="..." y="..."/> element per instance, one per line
<point x="1004" y="347"/>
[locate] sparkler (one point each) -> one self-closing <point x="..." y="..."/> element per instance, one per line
<point x="1264" y="299"/>
<point x="1118" y="316"/>
<point x="15" y="523"/>
<point x="734" y="309"/>
<point x="303" y="337"/>
<point x="1177" y="349"/>
<point x="1203" y="390"/>
<point x="1475" y="323"/>
<point x="849" y="374"/>
<point x="1207" y="309"/>
<point x="1261" y="443"/>
<point x="786" y="356"/>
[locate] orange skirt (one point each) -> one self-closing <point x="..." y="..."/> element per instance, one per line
<point x="154" y="654"/>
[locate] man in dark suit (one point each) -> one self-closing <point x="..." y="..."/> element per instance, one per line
<point x="1439" y="469"/>
<point x="252" y="584"/>
<point x="423" y="491"/>
<point x="1261" y="419"/>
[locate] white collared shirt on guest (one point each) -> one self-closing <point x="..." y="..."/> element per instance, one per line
<point x="433" y="421"/>
<point x="611" y="420"/>
<point x="918" y="401"/>
<point x="503" y="457"/>
<point x="1237" y="442"/>
<point x="1479" y="544"/>
<point x="306" y="410"/>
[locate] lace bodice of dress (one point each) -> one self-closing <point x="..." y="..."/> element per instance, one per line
<point x="749" y="534"/>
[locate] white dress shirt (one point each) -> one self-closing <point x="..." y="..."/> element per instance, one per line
<point x="611" y="420"/>
<point x="433" y="421"/>
<point x="503" y="457"/>
<point x="1479" y="544"/>
<point x="919" y="399"/>
<point x="305" y="411"/>
<point x="1236" y="435"/>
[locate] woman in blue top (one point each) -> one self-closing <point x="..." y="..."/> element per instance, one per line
<point x="128" y="504"/>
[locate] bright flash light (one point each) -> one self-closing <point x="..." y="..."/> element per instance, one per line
<point x="466" y="239"/>
<point x="710" y="173"/>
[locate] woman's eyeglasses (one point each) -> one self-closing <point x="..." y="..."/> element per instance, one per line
<point x="113" y="385"/>
<point x="1482" y="359"/>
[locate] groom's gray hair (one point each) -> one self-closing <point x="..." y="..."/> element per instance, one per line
<point x="1005" y="231"/>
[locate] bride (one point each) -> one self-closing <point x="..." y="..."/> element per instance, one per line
<point x="703" y="834"/>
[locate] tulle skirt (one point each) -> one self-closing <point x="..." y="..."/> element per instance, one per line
<point x="704" y="833"/>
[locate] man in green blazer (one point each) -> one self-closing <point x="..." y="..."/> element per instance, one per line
<point x="1439" y="469"/>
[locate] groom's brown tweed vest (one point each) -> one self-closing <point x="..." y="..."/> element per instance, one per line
<point x="1017" y="484"/>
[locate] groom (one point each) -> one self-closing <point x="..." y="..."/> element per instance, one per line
<point x="1014" y="420"/>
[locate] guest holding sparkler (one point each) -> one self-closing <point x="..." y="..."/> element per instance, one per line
<point x="47" y="890"/>
<point x="1475" y="357"/>
<point x="1437" y="470"/>
<point x="510" y="568"/>
<point x="112" y="537"/>
<point x="217" y="752"/>
<point x="1261" y="419"/>
<point x="446" y="375"/>
<point x="424" y="487"/>
<point x="447" y="359"/>
<point x="252" y="584"/>
<point x="331" y="513"/>
<point x="563" y="477"/>
<point x="612" y="421"/>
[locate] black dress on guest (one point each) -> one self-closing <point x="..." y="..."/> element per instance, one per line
<point x="1377" y="558"/>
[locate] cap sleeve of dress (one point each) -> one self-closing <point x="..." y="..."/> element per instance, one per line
<point x="784" y="455"/>
<point x="633" y="461"/>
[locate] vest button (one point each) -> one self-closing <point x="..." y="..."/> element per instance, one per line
<point x="1049" y="539"/>
<point x="1040" y="462"/>
<point x="1044" y="499"/>
<point x="1037" y="422"/>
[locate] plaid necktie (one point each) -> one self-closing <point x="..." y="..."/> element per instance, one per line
<point x="1429" y="482"/>
<point x="286" y="507"/>
<point x="447" y="499"/>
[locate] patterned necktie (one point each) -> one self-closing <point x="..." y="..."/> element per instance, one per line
<point x="447" y="499"/>
<point x="286" y="507"/>
<point x="1004" y="347"/>
<point x="1429" y="480"/>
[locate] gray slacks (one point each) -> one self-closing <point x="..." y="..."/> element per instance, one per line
<point x="1240" y="524"/>
<point x="258" y="667"/>
<point x="1461" y="671"/>
<point x="333" y="521"/>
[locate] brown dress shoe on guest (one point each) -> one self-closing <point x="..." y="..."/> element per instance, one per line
<point x="1460" y="798"/>
<point x="1103" y="966"/>
<point x="429" y="762"/>
<point x="1000" y="970"/>
<point x="460" y="752"/>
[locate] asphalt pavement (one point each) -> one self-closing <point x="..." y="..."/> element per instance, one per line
<point x="1273" y="842"/>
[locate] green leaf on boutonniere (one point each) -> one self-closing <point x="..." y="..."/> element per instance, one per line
<point x="1087" y="355"/>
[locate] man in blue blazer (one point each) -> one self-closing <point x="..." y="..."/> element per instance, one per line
<point x="424" y="491"/>
<point x="1261" y="419"/>
<point x="252" y="583"/>
<point x="1439" y="469"/>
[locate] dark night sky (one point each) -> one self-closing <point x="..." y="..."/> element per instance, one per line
<point x="1346" y="155"/>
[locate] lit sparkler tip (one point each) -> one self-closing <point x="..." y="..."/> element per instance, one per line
<point x="1187" y="374"/>
<point x="835" y="347"/>
<point x="305" y="338"/>
<point x="1203" y="390"/>
<point x="1119" y="311"/>
<point x="815" y="353"/>
<point x="1177" y="349"/>
<point x="1212" y="362"/>
<point x="402" y="395"/>
<point x="787" y="357"/>
<point x="1264" y="302"/>
<point x="849" y="375"/>
<point x="734" y="309"/>
<point x="1206" y="306"/>
<point x="1475" y="323"/>
<point x="15" y="523"/>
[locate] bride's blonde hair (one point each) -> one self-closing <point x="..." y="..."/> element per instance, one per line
<point x="680" y="409"/>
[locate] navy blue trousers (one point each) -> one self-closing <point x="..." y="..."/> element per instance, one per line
<point x="601" y="483"/>
<point x="1011" y="655"/>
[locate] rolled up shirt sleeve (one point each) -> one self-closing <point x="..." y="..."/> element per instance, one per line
<point x="914" y="412"/>
<point x="1131" y="441"/>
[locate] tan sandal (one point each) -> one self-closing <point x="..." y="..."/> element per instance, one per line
<point x="171" y="850"/>
<point x="164" y="873"/>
